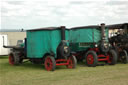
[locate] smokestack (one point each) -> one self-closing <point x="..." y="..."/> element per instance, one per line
<point x="102" y="31"/>
<point x="62" y="32"/>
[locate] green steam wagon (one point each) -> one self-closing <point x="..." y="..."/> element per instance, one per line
<point x="91" y="43"/>
<point x="48" y="46"/>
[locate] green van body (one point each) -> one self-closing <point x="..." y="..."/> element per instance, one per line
<point x="83" y="38"/>
<point x="40" y="42"/>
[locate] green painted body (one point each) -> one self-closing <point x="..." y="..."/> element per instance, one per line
<point x="43" y="41"/>
<point x="82" y="39"/>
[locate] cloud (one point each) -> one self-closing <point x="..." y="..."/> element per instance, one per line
<point x="125" y="2"/>
<point x="15" y="2"/>
<point x="32" y="14"/>
<point x="9" y="9"/>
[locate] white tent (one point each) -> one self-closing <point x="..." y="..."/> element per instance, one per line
<point x="3" y="40"/>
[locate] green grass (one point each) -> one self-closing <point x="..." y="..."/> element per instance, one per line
<point x="31" y="74"/>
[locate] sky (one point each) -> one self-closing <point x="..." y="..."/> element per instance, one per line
<point x="29" y="14"/>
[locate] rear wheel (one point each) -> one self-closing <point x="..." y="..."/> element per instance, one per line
<point x="50" y="63"/>
<point x="11" y="59"/>
<point x="124" y="57"/>
<point x="15" y="58"/>
<point x="112" y="57"/>
<point x="72" y="62"/>
<point x="91" y="59"/>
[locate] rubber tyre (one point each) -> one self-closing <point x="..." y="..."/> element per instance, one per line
<point x="50" y="63"/>
<point x="72" y="62"/>
<point x="16" y="58"/>
<point x="117" y="52"/>
<point x="91" y="59"/>
<point x="124" y="57"/>
<point x="113" y="57"/>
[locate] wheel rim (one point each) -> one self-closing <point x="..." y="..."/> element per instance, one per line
<point x="70" y="65"/>
<point x="48" y="64"/>
<point x="90" y="59"/>
<point x="11" y="59"/>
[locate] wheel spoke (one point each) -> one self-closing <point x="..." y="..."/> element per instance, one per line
<point x="49" y="63"/>
<point x="71" y="62"/>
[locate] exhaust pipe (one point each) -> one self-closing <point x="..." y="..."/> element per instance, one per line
<point x="62" y="33"/>
<point x="104" y="47"/>
<point x="103" y="31"/>
<point x="3" y="41"/>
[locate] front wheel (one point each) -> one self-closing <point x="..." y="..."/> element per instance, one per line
<point x="72" y="62"/>
<point x="50" y="63"/>
<point x="91" y="59"/>
<point x="112" y="57"/>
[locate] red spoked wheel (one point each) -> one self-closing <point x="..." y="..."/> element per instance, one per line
<point x="50" y="63"/>
<point x="91" y="58"/>
<point x="71" y="62"/>
<point x="11" y="59"/>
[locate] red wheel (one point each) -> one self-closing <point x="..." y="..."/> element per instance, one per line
<point x="11" y="59"/>
<point x="72" y="62"/>
<point x="50" y="63"/>
<point x="91" y="58"/>
<point x="14" y="58"/>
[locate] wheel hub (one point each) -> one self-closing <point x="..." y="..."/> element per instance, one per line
<point x="90" y="59"/>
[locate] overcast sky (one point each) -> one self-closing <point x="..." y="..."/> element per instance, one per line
<point x="29" y="14"/>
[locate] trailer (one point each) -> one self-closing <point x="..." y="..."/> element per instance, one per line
<point x="119" y="40"/>
<point x="90" y="43"/>
<point x="48" y="46"/>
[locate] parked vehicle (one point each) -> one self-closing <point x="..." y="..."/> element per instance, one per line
<point x="119" y="40"/>
<point x="48" y="46"/>
<point x="90" y="43"/>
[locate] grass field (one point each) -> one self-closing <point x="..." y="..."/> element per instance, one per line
<point x="31" y="74"/>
